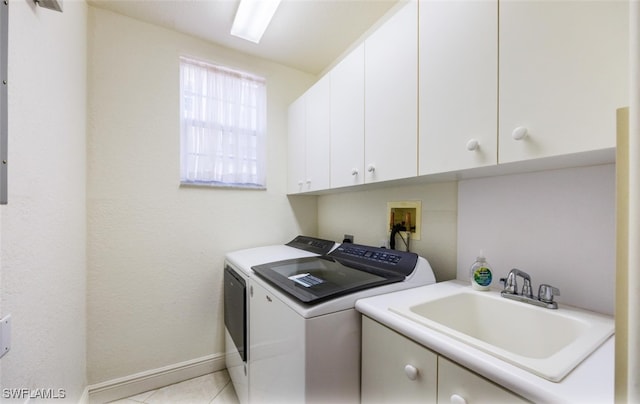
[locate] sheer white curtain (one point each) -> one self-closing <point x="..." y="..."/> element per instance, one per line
<point x="222" y="126"/>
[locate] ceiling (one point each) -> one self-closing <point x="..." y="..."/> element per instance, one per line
<point x="308" y="35"/>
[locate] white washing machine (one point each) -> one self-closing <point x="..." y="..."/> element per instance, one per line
<point x="305" y="331"/>
<point x="237" y="274"/>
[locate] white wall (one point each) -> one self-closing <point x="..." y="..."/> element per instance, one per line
<point x="43" y="248"/>
<point x="558" y="226"/>
<point x="363" y="215"/>
<point x="155" y="249"/>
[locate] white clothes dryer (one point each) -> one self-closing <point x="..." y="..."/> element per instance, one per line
<point x="237" y="273"/>
<point x="305" y="332"/>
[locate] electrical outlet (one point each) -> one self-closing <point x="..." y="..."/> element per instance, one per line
<point x="348" y="238"/>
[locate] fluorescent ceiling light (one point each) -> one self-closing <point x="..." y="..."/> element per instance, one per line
<point x="252" y="18"/>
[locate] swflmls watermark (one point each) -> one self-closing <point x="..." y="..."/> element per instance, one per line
<point x="24" y="394"/>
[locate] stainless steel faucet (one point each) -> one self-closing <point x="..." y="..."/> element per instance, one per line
<point x="546" y="292"/>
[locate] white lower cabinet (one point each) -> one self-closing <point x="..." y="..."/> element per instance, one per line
<point x="458" y="385"/>
<point x="396" y="369"/>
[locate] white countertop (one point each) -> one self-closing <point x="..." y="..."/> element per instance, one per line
<point x="592" y="381"/>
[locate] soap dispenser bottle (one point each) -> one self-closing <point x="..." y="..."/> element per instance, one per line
<point x="480" y="273"/>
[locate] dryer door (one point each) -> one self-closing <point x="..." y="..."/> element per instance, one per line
<point x="235" y="309"/>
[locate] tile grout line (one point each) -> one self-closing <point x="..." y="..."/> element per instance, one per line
<point x="220" y="391"/>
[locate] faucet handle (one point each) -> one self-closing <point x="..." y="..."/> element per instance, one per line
<point x="547" y="292"/>
<point x="510" y="284"/>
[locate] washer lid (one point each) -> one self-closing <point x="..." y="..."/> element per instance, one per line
<point x="315" y="279"/>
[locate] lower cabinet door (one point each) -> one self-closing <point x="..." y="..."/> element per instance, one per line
<point x="458" y="385"/>
<point x="394" y="368"/>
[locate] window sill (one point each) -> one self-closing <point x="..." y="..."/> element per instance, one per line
<point x="220" y="185"/>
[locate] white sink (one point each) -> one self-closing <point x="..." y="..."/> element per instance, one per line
<point x="546" y="342"/>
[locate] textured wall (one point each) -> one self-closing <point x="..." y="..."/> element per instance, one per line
<point x="363" y="215"/>
<point x="558" y="226"/>
<point x="43" y="248"/>
<point x="155" y="249"/>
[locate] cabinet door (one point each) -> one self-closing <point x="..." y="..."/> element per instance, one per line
<point x="347" y="120"/>
<point x="276" y="350"/>
<point x="563" y="73"/>
<point x="296" y="144"/>
<point x="458" y="84"/>
<point x="318" y="130"/>
<point x="457" y="384"/>
<point x="394" y="368"/>
<point x="391" y="97"/>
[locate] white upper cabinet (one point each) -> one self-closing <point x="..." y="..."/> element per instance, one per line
<point x="318" y="135"/>
<point x="391" y="97"/>
<point x="308" y="139"/>
<point x="296" y="144"/>
<point x="458" y="97"/>
<point x="347" y="120"/>
<point x="563" y="72"/>
<point x="450" y="85"/>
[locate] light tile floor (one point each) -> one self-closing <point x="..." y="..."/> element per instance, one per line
<point x="214" y="388"/>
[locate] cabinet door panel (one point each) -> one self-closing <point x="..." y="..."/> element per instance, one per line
<point x="318" y="128"/>
<point x="391" y="97"/>
<point x="458" y="84"/>
<point x="563" y="73"/>
<point x="296" y="145"/>
<point x="347" y="120"/>
<point x="454" y="380"/>
<point x="385" y="354"/>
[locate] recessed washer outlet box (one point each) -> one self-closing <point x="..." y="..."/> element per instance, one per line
<point x="407" y="214"/>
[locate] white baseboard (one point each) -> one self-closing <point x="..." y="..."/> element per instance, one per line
<point x="155" y="378"/>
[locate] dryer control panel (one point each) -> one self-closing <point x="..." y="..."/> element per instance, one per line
<point x="312" y="244"/>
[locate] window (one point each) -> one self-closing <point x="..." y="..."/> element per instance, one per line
<point x="222" y="126"/>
